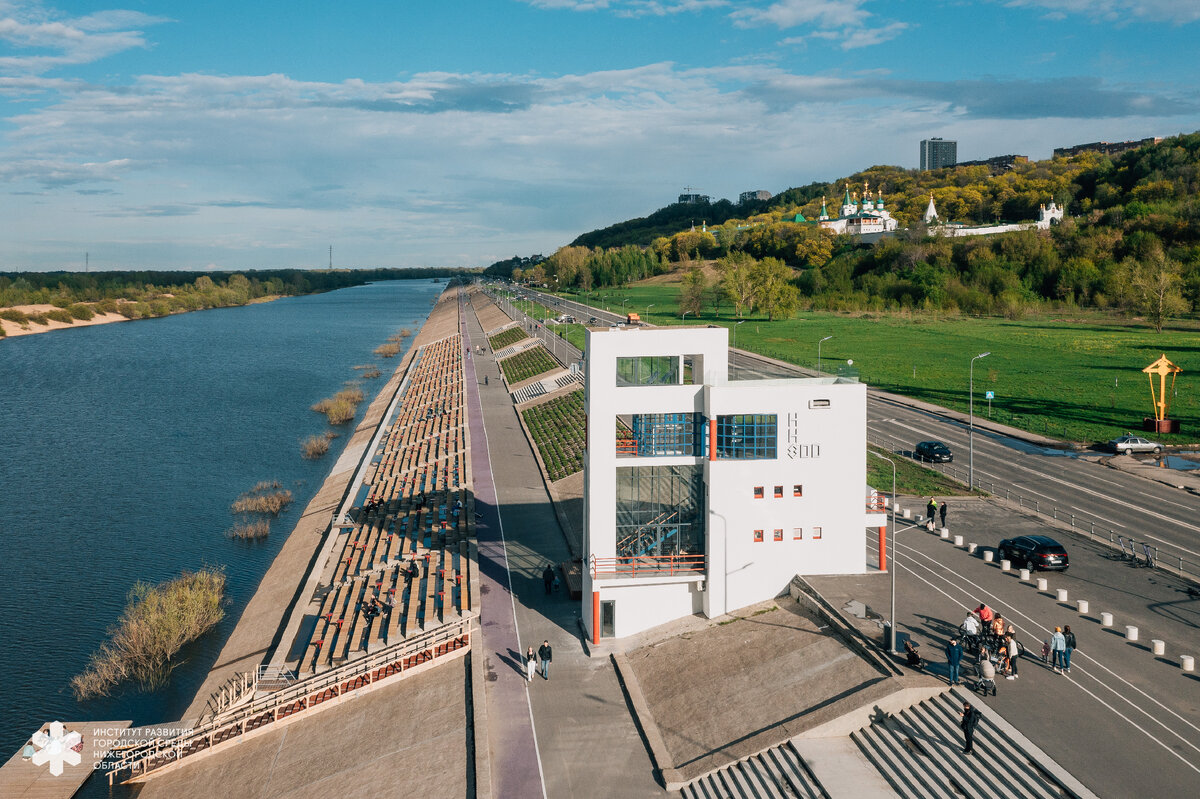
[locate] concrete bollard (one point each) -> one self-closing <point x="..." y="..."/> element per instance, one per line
<point x="1005" y="565"/>
<point x="1082" y="605"/>
<point x="958" y="541"/>
<point x="906" y="513"/>
<point x="945" y="536"/>
<point x="1106" y="620"/>
<point x="1158" y="647"/>
<point x="1024" y="575"/>
<point x="1187" y="662"/>
<point x="1043" y="584"/>
<point x="989" y="556"/>
<point x="1062" y="595"/>
<point x="1131" y="633"/>
<point x="972" y="547"/>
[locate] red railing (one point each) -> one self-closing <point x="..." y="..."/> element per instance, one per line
<point x="649" y="565"/>
<point x="626" y="445"/>
<point x="876" y="503"/>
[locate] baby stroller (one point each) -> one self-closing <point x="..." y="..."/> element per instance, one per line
<point x="913" y="657"/>
<point x="987" y="674"/>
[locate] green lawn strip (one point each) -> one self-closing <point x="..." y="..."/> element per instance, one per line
<point x="507" y="338"/>
<point x="559" y="429"/>
<point x="527" y="363"/>
<point x="1075" y="376"/>
<point x="912" y="479"/>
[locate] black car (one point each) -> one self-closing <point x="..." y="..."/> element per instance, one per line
<point x="933" y="452"/>
<point x="1034" y="552"/>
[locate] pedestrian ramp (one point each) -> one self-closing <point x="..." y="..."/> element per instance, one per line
<point x="513" y="349"/>
<point x="914" y="753"/>
<point x="558" y="380"/>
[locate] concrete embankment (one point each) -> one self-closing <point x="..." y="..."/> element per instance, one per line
<point x="262" y="624"/>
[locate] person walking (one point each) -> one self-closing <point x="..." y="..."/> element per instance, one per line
<point x="942" y="513"/>
<point x="548" y="578"/>
<point x="1058" y="645"/>
<point x="970" y="719"/>
<point x="1014" y="654"/>
<point x="545" y="654"/>
<point x="530" y="663"/>
<point x="1069" y="637"/>
<point x="954" y="655"/>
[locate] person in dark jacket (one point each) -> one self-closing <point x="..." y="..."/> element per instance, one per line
<point x="970" y="719"/>
<point x="1071" y="643"/>
<point x="545" y="654"/>
<point x="548" y="578"/>
<point x="954" y="654"/>
<point x="942" y="512"/>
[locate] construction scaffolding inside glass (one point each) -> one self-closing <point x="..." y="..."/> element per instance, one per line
<point x="660" y="512"/>
<point x="661" y="434"/>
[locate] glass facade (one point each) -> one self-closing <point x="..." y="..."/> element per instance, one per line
<point x="747" y="436"/>
<point x="660" y="511"/>
<point x="652" y="370"/>
<point x="667" y="434"/>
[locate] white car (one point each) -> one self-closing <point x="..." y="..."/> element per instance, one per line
<point x="1127" y="444"/>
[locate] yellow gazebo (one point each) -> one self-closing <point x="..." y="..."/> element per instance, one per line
<point x="1161" y="423"/>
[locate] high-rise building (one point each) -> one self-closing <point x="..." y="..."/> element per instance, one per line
<point x="937" y="153"/>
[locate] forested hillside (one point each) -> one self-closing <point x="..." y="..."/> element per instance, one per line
<point x="1131" y="240"/>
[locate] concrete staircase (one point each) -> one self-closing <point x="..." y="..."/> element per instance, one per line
<point x="513" y="349"/>
<point x="778" y="772"/>
<point x="559" y="380"/>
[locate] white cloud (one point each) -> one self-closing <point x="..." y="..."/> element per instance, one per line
<point x="57" y="40"/>
<point x="1178" y="12"/>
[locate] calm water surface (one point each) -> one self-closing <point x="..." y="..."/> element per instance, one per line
<point x="122" y="448"/>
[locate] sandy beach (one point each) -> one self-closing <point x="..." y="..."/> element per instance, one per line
<point x="15" y="329"/>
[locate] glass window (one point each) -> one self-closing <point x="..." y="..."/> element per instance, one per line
<point x="758" y="536"/>
<point x="758" y="492"/>
<point x="779" y="535"/>
<point x="747" y="436"/>
<point x="797" y="533"/>
<point x="816" y="532"/>
<point x="660" y="511"/>
<point x="651" y="434"/>
<point x="797" y="490"/>
<point x="778" y="492"/>
<point x="651" y="370"/>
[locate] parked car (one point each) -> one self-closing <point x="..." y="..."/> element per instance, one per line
<point x="1034" y="552"/>
<point x="1125" y="444"/>
<point x="933" y="452"/>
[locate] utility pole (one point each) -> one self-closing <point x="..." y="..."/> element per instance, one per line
<point x="86" y="261"/>
<point x="331" y="256"/>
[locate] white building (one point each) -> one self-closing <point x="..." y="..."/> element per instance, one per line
<point x="1047" y="216"/>
<point x="703" y="495"/>
<point x="869" y="216"/>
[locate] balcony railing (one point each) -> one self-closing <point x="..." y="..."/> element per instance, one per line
<point x="877" y="503"/>
<point x="648" y="566"/>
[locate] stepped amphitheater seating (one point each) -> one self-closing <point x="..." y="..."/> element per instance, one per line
<point x="918" y="751"/>
<point x="408" y="544"/>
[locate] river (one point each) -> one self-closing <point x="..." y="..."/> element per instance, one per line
<point x="123" y="446"/>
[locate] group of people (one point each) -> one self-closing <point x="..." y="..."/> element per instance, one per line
<point x="542" y="656"/>
<point x="994" y="643"/>
<point x="1057" y="651"/>
<point x="935" y="510"/>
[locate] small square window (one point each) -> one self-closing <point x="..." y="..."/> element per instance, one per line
<point x="758" y="492"/>
<point x="778" y="492"/>
<point x="816" y="532"/>
<point x="797" y="490"/>
<point x="758" y="536"/>
<point x="779" y="535"/>
<point x="797" y="533"/>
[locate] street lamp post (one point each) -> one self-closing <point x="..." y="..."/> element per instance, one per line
<point x="891" y="550"/>
<point x="735" y="327"/>
<point x="971" y="426"/>
<point x="819" y="343"/>
<point x="684" y="317"/>
<point x="648" y="307"/>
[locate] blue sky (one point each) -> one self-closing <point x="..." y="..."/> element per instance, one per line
<point x="239" y="135"/>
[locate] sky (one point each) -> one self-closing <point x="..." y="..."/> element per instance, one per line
<point x="257" y="134"/>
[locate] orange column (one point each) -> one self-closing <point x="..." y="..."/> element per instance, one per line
<point x="712" y="439"/>
<point x="595" y="617"/>
<point x="883" y="548"/>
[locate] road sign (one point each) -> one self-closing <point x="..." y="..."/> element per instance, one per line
<point x="990" y="395"/>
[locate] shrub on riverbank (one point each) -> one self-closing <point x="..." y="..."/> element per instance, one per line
<point x="266" y="497"/>
<point x="314" y="447"/>
<point x="158" y="621"/>
<point x="250" y="530"/>
<point x="368" y="370"/>
<point x="59" y="315"/>
<point x="389" y="349"/>
<point x="14" y="315"/>
<point x="341" y="407"/>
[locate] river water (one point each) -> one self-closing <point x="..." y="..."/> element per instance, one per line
<point x="122" y="447"/>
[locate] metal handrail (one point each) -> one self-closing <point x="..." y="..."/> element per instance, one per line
<point x="343" y="678"/>
<point x="634" y="565"/>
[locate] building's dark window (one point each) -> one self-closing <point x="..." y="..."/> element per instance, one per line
<point x="779" y="535"/>
<point x="747" y="436"/>
<point x="758" y="492"/>
<point x="778" y="492"/>
<point x="758" y="536"/>
<point x="797" y="490"/>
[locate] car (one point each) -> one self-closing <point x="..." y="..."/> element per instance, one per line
<point x="1034" y="552"/>
<point x="933" y="452"/>
<point x="1130" y="443"/>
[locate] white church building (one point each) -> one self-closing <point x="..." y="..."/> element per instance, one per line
<point x="705" y="495"/>
<point x="858" y="218"/>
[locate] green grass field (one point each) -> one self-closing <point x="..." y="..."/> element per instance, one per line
<point x="912" y="479"/>
<point x="527" y="363"/>
<point x="558" y="428"/>
<point x="510" y="336"/>
<point x="1072" y="376"/>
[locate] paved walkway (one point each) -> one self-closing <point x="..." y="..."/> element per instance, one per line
<point x="587" y="739"/>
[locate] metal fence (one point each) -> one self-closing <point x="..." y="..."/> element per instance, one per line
<point x="1141" y="552"/>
